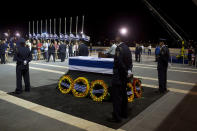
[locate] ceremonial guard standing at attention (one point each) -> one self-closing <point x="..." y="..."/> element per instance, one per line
<point x="23" y="56"/>
<point x="162" y="67"/>
<point x="122" y="67"/>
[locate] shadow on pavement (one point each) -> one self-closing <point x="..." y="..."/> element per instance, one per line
<point x="85" y="108"/>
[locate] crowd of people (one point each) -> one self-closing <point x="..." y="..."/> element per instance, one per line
<point x="43" y="49"/>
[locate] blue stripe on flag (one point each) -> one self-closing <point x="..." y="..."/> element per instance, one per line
<point x="90" y="63"/>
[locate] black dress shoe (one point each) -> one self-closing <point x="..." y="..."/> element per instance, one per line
<point x="124" y="116"/>
<point x="113" y="120"/>
<point x="27" y="90"/>
<point x="17" y="92"/>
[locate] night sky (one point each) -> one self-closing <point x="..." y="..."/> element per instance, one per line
<point x="103" y="19"/>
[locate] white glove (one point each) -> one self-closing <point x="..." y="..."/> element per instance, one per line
<point x="25" y="62"/>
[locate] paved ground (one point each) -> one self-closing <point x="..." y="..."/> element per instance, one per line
<point x="174" y="111"/>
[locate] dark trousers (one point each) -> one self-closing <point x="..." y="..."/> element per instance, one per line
<point x="2" y="58"/>
<point x="149" y="51"/>
<point x="70" y="54"/>
<point x="162" y="76"/>
<point x="119" y="100"/>
<point x="22" y="72"/>
<point x="137" y="57"/>
<point x="156" y="58"/>
<point x="50" y="56"/>
<point x="62" y="56"/>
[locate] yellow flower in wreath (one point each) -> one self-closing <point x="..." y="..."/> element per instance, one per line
<point x="130" y="92"/>
<point x="65" y="84"/>
<point x="98" y="90"/>
<point x="137" y="87"/>
<point x="80" y="87"/>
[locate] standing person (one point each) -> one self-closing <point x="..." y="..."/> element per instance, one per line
<point x="111" y="52"/>
<point x="14" y="51"/>
<point x="34" y="50"/>
<point x="39" y="46"/>
<point x="83" y="49"/>
<point x="62" y="50"/>
<point x="122" y="65"/>
<point x="67" y="50"/>
<point x="195" y="54"/>
<point x="28" y="44"/>
<point x="77" y="49"/>
<point x="142" y="46"/>
<point x="70" y="49"/>
<point x="23" y="57"/>
<point x="51" y="51"/>
<point x="190" y="52"/>
<point x="162" y="67"/>
<point x="157" y="50"/>
<point x="46" y="45"/>
<point x="90" y="49"/>
<point x="74" y="50"/>
<point x="149" y="49"/>
<point x="2" y="51"/>
<point x="137" y="53"/>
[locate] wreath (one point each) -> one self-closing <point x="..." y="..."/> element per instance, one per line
<point x="65" y="84"/>
<point x="130" y="92"/>
<point x="80" y="87"/>
<point x="98" y="90"/>
<point x="137" y="88"/>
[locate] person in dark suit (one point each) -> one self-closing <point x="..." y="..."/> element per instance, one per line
<point x="122" y="66"/>
<point x="70" y="49"/>
<point x="2" y="51"/>
<point x="162" y="67"/>
<point x="51" y="51"/>
<point x="83" y="49"/>
<point x="62" y="50"/>
<point x="23" y="56"/>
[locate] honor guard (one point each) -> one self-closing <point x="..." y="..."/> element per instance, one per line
<point x="122" y="65"/>
<point x="23" y="56"/>
<point x="162" y="67"/>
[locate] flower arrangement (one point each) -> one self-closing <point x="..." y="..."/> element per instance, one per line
<point x="98" y="90"/>
<point x="65" y="84"/>
<point x="80" y="87"/>
<point x="130" y="92"/>
<point x="137" y="88"/>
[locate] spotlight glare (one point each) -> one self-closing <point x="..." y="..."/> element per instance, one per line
<point x="123" y="31"/>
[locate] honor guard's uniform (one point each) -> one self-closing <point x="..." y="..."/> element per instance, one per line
<point x="23" y="56"/>
<point x="122" y="64"/>
<point x="62" y="50"/>
<point x="162" y="68"/>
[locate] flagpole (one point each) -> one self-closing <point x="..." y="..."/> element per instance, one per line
<point x="50" y="27"/>
<point x="59" y="26"/>
<point x="65" y="26"/>
<point x="29" y="27"/>
<point x="46" y="25"/>
<point x="33" y="27"/>
<point x="41" y="27"/>
<point x="70" y="25"/>
<point x="76" y="24"/>
<point x="37" y="26"/>
<point x="54" y="26"/>
<point x="82" y="23"/>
